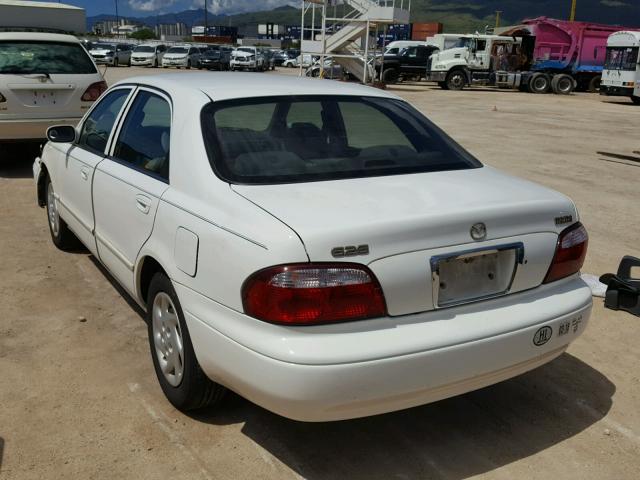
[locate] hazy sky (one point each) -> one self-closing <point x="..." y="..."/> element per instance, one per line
<point x="143" y="8"/>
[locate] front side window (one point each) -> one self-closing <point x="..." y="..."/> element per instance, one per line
<point x="621" y="58"/>
<point x="144" y="140"/>
<point x="31" y="57"/>
<point x="98" y="125"/>
<point x="316" y="138"/>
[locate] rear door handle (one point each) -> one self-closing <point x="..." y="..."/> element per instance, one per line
<point x="143" y="203"/>
<point x="84" y="173"/>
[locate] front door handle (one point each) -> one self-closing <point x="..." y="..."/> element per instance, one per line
<point x="84" y="173"/>
<point x="143" y="203"/>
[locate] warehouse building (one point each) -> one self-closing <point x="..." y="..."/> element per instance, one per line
<point x="25" y="15"/>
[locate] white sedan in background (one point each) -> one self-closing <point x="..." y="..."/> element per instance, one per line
<point x="322" y="249"/>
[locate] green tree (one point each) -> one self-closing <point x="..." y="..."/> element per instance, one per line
<point x="144" y="34"/>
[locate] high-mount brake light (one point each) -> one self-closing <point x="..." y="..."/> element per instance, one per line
<point x="313" y="294"/>
<point x="571" y="252"/>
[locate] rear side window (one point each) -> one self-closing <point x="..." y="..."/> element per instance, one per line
<point x="315" y="138"/>
<point x="29" y="57"/>
<point x="144" y="140"/>
<point x="98" y="125"/>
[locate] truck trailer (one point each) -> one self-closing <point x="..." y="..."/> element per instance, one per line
<point x="562" y="56"/>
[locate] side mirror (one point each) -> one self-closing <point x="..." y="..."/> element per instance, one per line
<point x="61" y="134"/>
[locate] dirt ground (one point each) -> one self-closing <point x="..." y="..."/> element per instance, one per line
<point x="79" y="398"/>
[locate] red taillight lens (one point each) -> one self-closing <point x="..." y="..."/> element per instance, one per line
<point x="311" y="294"/>
<point x="570" y="253"/>
<point x="94" y="91"/>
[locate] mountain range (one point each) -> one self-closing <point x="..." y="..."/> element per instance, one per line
<point x="456" y="15"/>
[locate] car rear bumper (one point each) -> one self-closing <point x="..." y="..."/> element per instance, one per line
<point x="611" y="91"/>
<point x="31" y="129"/>
<point x="312" y="375"/>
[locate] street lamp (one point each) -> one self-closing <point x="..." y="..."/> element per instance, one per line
<point x="117" y="20"/>
<point x="205" y="20"/>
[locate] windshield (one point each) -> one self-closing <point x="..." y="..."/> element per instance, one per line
<point x="26" y="58"/>
<point x="303" y="139"/>
<point x="178" y="50"/>
<point x="103" y="46"/>
<point x="621" y="58"/>
<point x="462" y="43"/>
<point x="144" y="49"/>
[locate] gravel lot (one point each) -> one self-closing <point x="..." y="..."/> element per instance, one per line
<point x="79" y="398"/>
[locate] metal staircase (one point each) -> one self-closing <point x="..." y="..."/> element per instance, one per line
<point x="345" y="35"/>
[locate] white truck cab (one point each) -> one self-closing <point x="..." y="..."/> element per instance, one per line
<point x="465" y="62"/>
<point x="621" y="74"/>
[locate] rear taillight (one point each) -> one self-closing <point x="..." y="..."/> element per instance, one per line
<point x="94" y="91"/>
<point x="570" y="253"/>
<point x="313" y="293"/>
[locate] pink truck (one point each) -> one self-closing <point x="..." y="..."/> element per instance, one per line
<point x="558" y="56"/>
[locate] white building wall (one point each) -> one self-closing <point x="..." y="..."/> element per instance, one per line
<point x="16" y="14"/>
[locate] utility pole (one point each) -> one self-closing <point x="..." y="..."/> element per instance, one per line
<point x="117" y="21"/>
<point x="205" y="21"/>
<point x="498" y="12"/>
<point x="574" y="5"/>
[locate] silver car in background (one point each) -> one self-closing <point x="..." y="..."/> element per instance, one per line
<point x="148" y="55"/>
<point x="114" y="54"/>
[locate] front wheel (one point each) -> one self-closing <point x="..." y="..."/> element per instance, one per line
<point x="635" y="100"/>
<point x="62" y="237"/>
<point x="539" y="83"/>
<point x="456" y="80"/>
<point x="180" y="376"/>
<point x="188" y="64"/>
<point x="390" y="76"/>
<point x="116" y="62"/>
<point x="443" y="85"/>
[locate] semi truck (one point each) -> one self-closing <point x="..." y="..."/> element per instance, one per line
<point x="621" y="75"/>
<point x="545" y="55"/>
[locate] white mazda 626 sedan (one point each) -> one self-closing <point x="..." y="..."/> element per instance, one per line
<point x="320" y="248"/>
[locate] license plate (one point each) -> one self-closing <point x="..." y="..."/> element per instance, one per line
<point x="474" y="275"/>
<point x="44" y="98"/>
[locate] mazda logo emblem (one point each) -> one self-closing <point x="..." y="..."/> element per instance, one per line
<point x="479" y="231"/>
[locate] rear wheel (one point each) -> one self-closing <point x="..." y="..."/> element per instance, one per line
<point x="188" y="64"/>
<point x="180" y="376"/>
<point x="594" y="84"/>
<point x="62" y="237"/>
<point x="155" y="63"/>
<point x="539" y="83"/>
<point x="635" y="100"/>
<point x="390" y="76"/>
<point x="116" y="62"/>
<point x="562" y="84"/>
<point x="443" y="85"/>
<point x="456" y="80"/>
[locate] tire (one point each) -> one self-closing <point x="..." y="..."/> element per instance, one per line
<point x="594" y="84"/>
<point x="443" y="85"/>
<point x="62" y="237"/>
<point x="185" y="385"/>
<point x="188" y="65"/>
<point x="155" y="63"/>
<point x="539" y="83"/>
<point x="635" y="100"/>
<point x="563" y="84"/>
<point x="390" y="76"/>
<point x="116" y="62"/>
<point x="456" y="80"/>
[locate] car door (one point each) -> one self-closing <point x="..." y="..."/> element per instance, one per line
<point x="80" y="162"/>
<point x="129" y="183"/>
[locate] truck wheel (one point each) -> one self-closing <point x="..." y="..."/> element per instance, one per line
<point x="456" y="80"/>
<point x="563" y="84"/>
<point x="180" y="376"/>
<point x="390" y="76"/>
<point x="635" y="100"/>
<point x="594" y="84"/>
<point x="539" y="83"/>
<point x="443" y="85"/>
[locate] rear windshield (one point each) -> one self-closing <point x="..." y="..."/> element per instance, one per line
<point x="621" y="58"/>
<point x="26" y="57"/>
<point x="305" y="139"/>
<point x="178" y="50"/>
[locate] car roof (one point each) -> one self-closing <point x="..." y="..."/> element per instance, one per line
<point x="221" y="86"/>
<point x="38" y="36"/>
